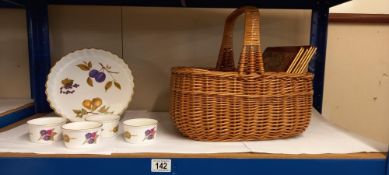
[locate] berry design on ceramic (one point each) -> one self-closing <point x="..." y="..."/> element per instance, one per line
<point x="91" y="138"/>
<point x="66" y="138"/>
<point x="68" y="87"/>
<point x="127" y="135"/>
<point x="150" y="134"/>
<point x="100" y="75"/>
<point x="92" y="106"/>
<point x="47" y="135"/>
<point x="115" y="129"/>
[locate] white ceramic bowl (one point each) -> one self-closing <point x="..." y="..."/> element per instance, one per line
<point x="110" y="123"/>
<point x="140" y="130"/>
<point x="81" y="134"/>
<point x="45" y="130"/>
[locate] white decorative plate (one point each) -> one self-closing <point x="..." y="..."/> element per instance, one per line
<point x="87" y="82"/>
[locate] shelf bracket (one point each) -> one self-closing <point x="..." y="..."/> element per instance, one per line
<point x="39" y="51"/>
<point x="319" y="26"/>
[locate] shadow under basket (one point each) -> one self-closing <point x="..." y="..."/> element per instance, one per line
<point x="244" y="103"/>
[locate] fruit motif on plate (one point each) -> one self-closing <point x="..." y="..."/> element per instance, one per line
<point x="89" y="81"/>
<point x="150" y="134"/>
<point x="68" y="86"/>
<point x="92" y="106"/>
<point x="47" y="135"/>
<point x="100" y="75"/>
<point x="91" y="138"/>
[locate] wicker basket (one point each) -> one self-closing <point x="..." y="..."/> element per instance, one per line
<point x="229" y="104"/>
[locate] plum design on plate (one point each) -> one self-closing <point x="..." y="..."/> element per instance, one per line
<point x="150" y="134"/>
<point x="92" y="106"/>
<point x="68" y="86"/>
<point x="100" y="75"/>
<point x="91" y="138"/>
<point x="47" y="135"/>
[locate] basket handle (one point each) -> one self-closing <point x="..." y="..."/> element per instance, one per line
<point x="251" y="56"/>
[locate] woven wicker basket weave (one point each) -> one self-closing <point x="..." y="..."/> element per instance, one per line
<point x="229" y="104"/>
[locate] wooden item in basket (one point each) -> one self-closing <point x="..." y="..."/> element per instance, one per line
<point x="278" y="59"/>
<point x="300" y="63"/>
<point x="247" y="103"/>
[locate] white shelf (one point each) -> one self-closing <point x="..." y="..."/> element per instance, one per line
<point x="320" y="138"/>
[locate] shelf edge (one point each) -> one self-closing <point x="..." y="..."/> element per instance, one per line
<point x="16" y="115"/>
<point x="364" y="156"/>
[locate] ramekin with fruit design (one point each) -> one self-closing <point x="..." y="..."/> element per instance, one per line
<point x="140" y="130"/>
<point x="110" y="123"/>
<point x="82" y="134"/>
<point x="45" y="130"/>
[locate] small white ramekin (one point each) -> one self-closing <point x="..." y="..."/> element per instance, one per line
<point x="110" y="123"/>
<point x="45" y="130"/>
<point x="82" y="134"/>
<point x="140" y="130"/>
